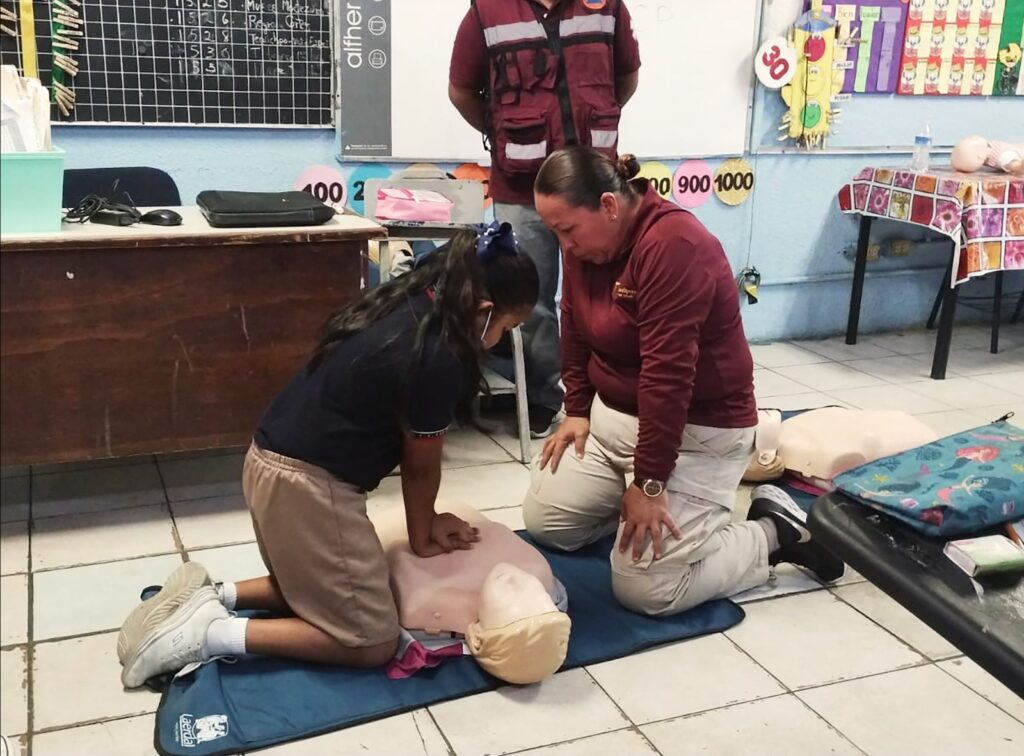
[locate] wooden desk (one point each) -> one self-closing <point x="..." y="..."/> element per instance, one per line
<point x="122" y="341"/>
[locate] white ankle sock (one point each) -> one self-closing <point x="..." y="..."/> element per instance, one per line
<point x="228" y="595"/>
<point x="771" y="533"/>
<point x="226" y="637"/>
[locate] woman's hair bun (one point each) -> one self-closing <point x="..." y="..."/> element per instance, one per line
<point x="628" y="166"/>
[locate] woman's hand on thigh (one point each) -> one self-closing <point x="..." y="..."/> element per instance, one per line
<point x="643" y="514"/>
<point x="572" y="430"/>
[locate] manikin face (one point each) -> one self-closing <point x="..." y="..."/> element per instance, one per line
<point x="589" y="235"/>
<point x="510" y="594"/>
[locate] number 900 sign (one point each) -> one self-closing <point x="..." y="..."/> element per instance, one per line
<point x="691" y="183"/>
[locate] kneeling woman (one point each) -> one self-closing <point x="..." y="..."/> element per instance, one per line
<point x="659" y="388"/>
<point x="390" y="373"/>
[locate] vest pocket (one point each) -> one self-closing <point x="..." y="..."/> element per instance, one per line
<point x="522" y="142"/>
<point x="603" y="129"/>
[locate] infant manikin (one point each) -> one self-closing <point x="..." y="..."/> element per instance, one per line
<point x="820" y="444"/>
<point x="500" y="594"/>
<point x="972" y="152"/>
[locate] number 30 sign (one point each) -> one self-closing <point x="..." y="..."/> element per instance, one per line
<point x="775" y="63"/>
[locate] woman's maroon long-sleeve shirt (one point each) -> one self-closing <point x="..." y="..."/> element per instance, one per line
<point x="657" y="334"/>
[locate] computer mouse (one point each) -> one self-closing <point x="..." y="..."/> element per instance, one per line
<point x="161" y="217"/>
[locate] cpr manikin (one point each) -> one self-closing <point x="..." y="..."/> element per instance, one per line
<point x="820" y="444"/>
<point x="972" y="152"/>
<point x="502" y="591"/>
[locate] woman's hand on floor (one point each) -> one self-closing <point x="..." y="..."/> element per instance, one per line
<point x="447" y="533"/>
<point x="643" y="514"/>
<point x="572" y="430"/>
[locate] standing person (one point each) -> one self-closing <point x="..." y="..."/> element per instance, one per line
<point x="659" y="388"/>
<point x="533" y="76"/>
<point x="390" y="372"/>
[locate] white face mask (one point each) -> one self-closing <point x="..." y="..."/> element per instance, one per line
<point x="487" y="322"/>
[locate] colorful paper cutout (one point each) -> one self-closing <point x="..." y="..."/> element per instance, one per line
<point x="869" y="43"/>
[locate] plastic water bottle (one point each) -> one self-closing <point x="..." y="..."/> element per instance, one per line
<point x="922" y="150"/>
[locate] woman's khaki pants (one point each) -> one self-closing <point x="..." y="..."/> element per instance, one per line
<point x="716" y="557"/>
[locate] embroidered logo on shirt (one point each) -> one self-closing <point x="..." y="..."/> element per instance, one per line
<point x="622" y="292"/>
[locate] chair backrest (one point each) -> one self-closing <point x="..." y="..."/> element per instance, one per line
<point x="145" y="187"/>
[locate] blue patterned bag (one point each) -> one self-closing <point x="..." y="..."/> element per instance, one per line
<point x="957" y="485"/>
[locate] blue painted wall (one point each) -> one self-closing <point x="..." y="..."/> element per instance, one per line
<point x="790" y="228"/>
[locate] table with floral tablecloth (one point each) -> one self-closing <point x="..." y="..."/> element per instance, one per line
<point x="983" y="212"/>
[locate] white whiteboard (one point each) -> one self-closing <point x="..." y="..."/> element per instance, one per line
<point x="693" y="98"/>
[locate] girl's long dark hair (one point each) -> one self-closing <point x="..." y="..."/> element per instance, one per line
<point x="459" y="282"/>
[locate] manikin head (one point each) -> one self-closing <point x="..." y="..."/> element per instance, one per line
<point x="520" y="636"/>
<point x="969" y="154"/>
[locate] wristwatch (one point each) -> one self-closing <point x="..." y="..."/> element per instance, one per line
<point x="651" y="487"/>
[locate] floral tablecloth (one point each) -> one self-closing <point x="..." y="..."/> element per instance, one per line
<point x="983" y="213"/>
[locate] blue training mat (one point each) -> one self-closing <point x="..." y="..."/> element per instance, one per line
<point x="226" y="708"/>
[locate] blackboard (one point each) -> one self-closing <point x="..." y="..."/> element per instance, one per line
<point x="207" y="62"/>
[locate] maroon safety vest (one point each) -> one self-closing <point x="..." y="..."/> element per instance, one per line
<point x="551" y="81"/>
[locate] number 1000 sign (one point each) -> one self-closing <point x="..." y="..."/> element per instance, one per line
<point x="726" y="182"/>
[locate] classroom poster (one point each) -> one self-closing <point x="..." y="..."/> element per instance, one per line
<point x="1008" y="78"/>
<point x="869" y="43"/>
<point x="951" y="46"/>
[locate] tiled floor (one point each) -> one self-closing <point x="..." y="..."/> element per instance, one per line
<point x="811" y="670"/>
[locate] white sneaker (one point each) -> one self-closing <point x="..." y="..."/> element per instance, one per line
<point x="176" y="643"/>
<point x="180" y="585"/>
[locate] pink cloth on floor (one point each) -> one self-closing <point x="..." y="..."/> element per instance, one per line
<point x="412" y="656"/>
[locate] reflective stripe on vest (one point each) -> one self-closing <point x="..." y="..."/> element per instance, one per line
<point x="535" y="151"/>
<point x="586" y="25"/>
<point x="520" y="31"/>
<point x="603" y="138"/>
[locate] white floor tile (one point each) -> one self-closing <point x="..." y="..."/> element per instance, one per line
<point x="78" y="680"/>
<point x="619" y="743"/>
<point x="96" y="489"/>
<point x="233" y="563"/>
<point x="13" y="547"/>
<point x="132" y="736"/>
<point x="850" y="576"/>
<point x="831" y="641"/>
<point x="202" y="477"/>
<point x="510" y="517"/>
<point x="14" y="499"/>
<point x="97" y="597"/>
<point x="788" y="579"/>
<point x="981" y="682"/>
<point x="902" y="623"/>
<point x="829" y="376"/>
<point x="215" y="521"/>
<point x="782" y="354"/>
<point x="889" y="397"/>
<point x="567" y="706"/>
<point x="780" y="726"/>
<point x="963" y="393"/>
<point x="916" y="711"/>
<point x="838" y="350"/>
<point x="970" y="362"/>
<point x="13" y="692"/>
<point x="467" y="447"/>
<point x="645" y="693"/>
<point x="101" y="537"/>
<point x="950" y="422"/>
<point x="412" y="733"/>
<point x="897" y="369"/>
<point x="508" y="439"/>
<point x="768" y="383"/>
<point x="14" y="618"/>
<point x="801" y="401"/>
<point x="1012" y="381"/>
<point x="482" y="487"/>
<point x="907" y="342"/>
<point x="742" y="506"/>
